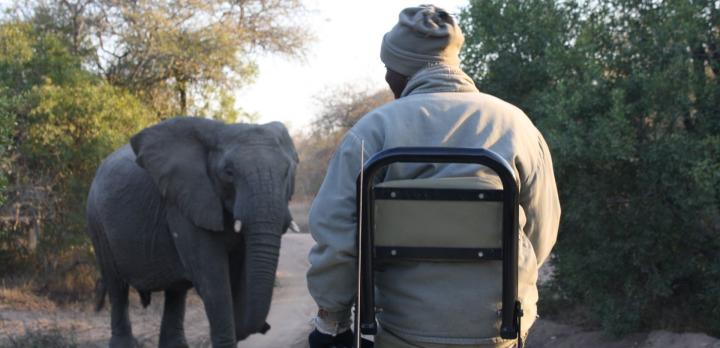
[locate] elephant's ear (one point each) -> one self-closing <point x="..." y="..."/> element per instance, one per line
<point x="175" y="153"/>
<point x="288" y="147"/>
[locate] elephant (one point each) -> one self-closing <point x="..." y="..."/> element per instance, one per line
<point x="193" y="202"/>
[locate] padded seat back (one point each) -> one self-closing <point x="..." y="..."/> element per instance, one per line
<point x="439" y="213"/>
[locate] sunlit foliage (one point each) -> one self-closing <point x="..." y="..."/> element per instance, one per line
<point x="176" y="56"/>
<point x="627" y="95"/>
<point x="58" y="122"/>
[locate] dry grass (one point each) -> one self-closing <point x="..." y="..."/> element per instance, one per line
<point x="70" y="281"/>
<point x="70" y="277"/>
<point x="52" y="338"/>
<point x="24" y="298"/>
<point x="76" y="284"/>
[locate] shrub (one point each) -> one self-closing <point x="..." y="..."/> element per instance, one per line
<point x="57" y="122"/>
<point x="627" y="96"/>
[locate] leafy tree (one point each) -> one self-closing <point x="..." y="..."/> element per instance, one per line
<point x="27" y="57"/>
<point x="7" y="126"/>
<point x="341" y="109"/>
<point x="58" y="121"/>
<point x="343" y="106"/>
<point x="176" y="56"/>
<point x="626" y="93"/>
<point x="72" y="128"/>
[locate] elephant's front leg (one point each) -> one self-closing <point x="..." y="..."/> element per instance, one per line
<point x="204" y="255"/>
<point x="237" y="284"/>
<point x="172" y="332"/>
<point x="212" y="283"/>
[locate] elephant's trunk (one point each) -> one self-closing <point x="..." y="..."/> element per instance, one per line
<point x="263" y="249"/>
<point x="262" y="227"/>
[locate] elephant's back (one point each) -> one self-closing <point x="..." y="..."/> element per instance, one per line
<point x="130" y="211"/>
<point x="123" y="194"/>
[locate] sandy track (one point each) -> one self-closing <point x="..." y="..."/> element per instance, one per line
<point x="292" y="307"/>
<point x="290" y="315"/>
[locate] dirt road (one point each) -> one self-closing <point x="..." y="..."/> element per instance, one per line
<point x="292" y="307"/>
<point x="27" y="320"/>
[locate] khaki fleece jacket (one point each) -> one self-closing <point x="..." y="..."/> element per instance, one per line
<point x="439" y="107"/>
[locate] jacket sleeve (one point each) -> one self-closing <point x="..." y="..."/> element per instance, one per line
<point x="333" y="224"/>
<point x="539" y="199"/>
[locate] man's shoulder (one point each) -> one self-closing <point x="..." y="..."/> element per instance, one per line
<point x="472" y="100"/>
<point x="416" y="108"/>
<point x="490" y="100"/>
<point x="377" y="115"/>
<point x="500" y="110"/>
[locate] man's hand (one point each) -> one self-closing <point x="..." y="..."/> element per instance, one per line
<point x="318" y="339"/>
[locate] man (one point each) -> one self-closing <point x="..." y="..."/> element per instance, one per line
<point x="436" y="105"/>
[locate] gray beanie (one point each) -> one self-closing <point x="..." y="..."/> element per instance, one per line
<point x="423" y="35"/>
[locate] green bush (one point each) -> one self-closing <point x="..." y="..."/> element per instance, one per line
<point x="70" y="129"/>
<point x="7" y="126"/>
<point x="627" y="96"/>
<point x="57" y="122"/>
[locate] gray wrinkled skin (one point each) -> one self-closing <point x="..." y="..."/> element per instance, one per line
<point x="162" y="213"/>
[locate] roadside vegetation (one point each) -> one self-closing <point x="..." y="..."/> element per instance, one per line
<point x="53" y="338"/>
<point x="316" y="146"/>
<point x="627" y="95"/>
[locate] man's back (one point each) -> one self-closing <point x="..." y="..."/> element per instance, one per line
<point x="441" y="107"/>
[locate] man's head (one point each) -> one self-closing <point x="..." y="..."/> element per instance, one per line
<point x="424" y="35"/>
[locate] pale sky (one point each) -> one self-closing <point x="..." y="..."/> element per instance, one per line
<point x="346" y="52"/>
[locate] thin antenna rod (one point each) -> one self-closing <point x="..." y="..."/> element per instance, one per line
<point x="358" y="338"/>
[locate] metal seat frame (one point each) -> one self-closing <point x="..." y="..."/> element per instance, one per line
<point x="369" y="255"/>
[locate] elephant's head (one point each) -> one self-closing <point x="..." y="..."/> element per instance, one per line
<point x="228" y="179"/>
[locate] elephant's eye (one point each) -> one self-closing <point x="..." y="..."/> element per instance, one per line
<point x="229" y="173"/>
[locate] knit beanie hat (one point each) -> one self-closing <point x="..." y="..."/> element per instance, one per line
<point x="423" y="35"/>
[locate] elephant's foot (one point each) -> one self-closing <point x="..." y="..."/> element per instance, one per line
<point x="126" y="341"/>
<point x="178" y="341"/>
<point x="263" y="330"/>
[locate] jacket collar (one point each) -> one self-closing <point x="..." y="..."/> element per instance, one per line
<point x="439" y="78"/>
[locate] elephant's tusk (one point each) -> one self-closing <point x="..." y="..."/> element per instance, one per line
<point x="294" y="227"/>
<point x="238" y="226"/>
